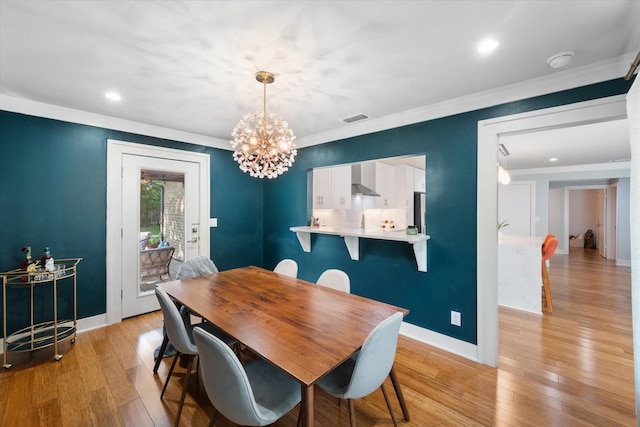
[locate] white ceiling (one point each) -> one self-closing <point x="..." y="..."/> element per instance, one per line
<point x="190" y="65"/>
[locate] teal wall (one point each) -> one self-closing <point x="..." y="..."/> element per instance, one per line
<point x="386" y="270"/>
<point x="53" y="193"/>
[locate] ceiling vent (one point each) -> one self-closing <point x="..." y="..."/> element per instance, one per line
<point x="355" y="118"/>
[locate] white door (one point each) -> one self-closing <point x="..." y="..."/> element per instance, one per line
<point x="124" y="297"/>
<point x="610" y="222"/>
<point x="136" y="298"/>
<point x="515" y="206"/>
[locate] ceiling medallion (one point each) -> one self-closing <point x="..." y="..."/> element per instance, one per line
<point x="263" y="145"/>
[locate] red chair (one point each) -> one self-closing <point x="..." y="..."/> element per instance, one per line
<point x="548" y="249"/>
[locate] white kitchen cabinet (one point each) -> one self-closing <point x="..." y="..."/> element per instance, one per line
<point x="341" y="187"/>
<point x="404" y="183"/>
<point x="384" y="178"/>
<point x="322" y="188"/>
<point x="419" y="179"/>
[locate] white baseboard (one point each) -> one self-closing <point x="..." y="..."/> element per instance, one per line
<point x="93" y="322"/>
<point x="452" y="345"/>
<point x="623" y="262"/>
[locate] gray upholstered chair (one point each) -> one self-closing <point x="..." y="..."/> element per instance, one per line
<point x="197" y="266"/>
<point x="335" y="279"/>
<point x="256" y="394"/>
<point x="288" y="267"/>
<point x="180" y="335"/>
<point x="359" y="377"/>
<point x="192" y="267"/>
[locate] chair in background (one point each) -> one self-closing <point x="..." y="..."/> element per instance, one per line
<point x="359" y="377"/>
<point x="288" y="267"/>
<point x="180" y="336"/>
<point x="256" y="394"/>
<point x="335" y="279"/>
<point x="548" y="249"/>
<point x="193" y="267"/>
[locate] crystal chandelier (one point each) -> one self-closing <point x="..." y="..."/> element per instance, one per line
<point x="263" y="146"/>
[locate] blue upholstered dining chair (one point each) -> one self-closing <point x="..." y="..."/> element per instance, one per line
<point x="192" y="267"/>
<point x="335" y="279"/>
<point x="358" y="377"/>
<point x="256" y="394"/>
<point x="180" y="335"/>
<point x="288" y="267"/>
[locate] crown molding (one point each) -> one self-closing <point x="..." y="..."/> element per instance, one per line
<point x="597" y="167"/>
<point x="50" y="111"/>
<point x="556" y="82"/>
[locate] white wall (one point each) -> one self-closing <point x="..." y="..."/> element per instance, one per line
<point x="623" y="246"/>
<point x="585" y="207"/>
<point x="556" y="213"/>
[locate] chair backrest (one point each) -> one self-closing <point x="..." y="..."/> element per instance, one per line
<point x="226" y="381"/>
<point x="375" y="359"/>
<point x="549" y="248"/>
<point x="174" y="324"/>
<point x="194" y="267"/>
<point x="547" y="238"/>
<point x="288" y="267"/>
<point x="335" y="279"/>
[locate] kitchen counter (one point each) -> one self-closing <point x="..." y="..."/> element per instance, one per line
<point x="351" y="238"/>
<point x="519" y="272"/>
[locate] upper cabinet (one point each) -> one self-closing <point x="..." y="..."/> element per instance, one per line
<point x="341" y="187"/>
<point x="322" y="188"/>
<point x="420" y="180"/>
<point x="384" y="178"/>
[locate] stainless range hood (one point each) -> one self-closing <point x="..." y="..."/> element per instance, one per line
<point x="357" y="188"/>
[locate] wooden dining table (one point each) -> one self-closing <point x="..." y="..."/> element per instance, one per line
<point x="305" y="329"/>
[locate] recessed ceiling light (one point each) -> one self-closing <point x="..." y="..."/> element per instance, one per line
<point x="113" y="96"/>
<point x="488" y="45"/>
<point x="553" y="159"/>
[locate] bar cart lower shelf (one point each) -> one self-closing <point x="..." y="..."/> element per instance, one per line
<point x="43" y="334"/>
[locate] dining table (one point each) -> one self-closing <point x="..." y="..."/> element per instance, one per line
<point x="305" y="329"/>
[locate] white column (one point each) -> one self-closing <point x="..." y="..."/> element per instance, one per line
<point x="633" y="115"/>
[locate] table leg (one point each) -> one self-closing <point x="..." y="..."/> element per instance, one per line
<point x="396" y="387"/>
<point x="307" y="405"/>
<point x="165" y="341"/>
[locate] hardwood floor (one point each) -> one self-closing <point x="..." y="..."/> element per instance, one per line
<point x="573" y="367"/>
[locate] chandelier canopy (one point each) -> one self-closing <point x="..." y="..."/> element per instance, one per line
<point x="263" y="145"/>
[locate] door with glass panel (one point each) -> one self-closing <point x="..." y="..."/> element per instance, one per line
<point x="160" y="225"/>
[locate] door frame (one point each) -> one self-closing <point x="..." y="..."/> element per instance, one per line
<point x="489" y="131"/>
<point x="115" y="151"/>
<point x="567" y="218"/>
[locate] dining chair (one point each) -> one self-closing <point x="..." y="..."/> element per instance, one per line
<point x="548" y="249"/>
<point x="361" y="376"/>
<point x="335" y="279"/>
<point x="288" y="267"/>
<point x="192" y="267"/>
<point x="180" y="335"/>
<point x="256" y="394"/>
<point x="338" y="279"/>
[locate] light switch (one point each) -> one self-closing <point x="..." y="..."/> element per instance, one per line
<point x="213" y="222"/>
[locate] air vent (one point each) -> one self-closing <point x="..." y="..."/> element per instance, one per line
<point x="355" y="118"/>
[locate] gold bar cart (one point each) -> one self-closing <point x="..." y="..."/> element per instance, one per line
<point x="43" y="334"/>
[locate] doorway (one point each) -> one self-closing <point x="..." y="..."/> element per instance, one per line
<point x="157" y="216"/>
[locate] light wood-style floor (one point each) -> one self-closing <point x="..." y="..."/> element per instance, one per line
<point x="574" y="367"/>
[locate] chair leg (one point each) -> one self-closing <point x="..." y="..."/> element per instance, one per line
<point x="398" y="390"/>
<point x="352" y="413"/>
<point x="214" y="417"/>
<point x="547" y="306"/>
<point x="163" y="347"/>
<point x="173" y="365"/>
<point x="386" y="399"/>
<point x="184" y="388"/>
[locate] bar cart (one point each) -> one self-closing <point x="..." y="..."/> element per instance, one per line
<point x="50" y="332"/>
